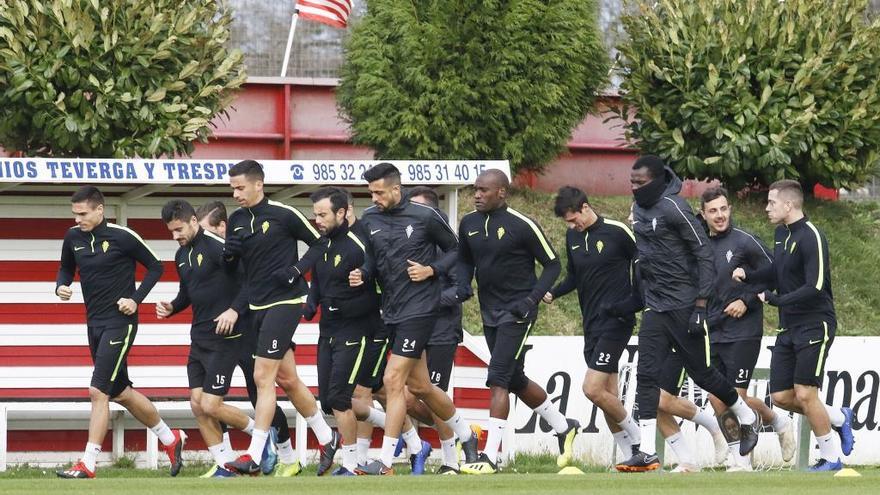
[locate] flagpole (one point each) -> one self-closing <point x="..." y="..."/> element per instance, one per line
<point x="289" y="42"/>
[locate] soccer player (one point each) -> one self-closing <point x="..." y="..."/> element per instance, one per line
<point x="263" y="235"/>
<point x="441" y="347"/>
<point x="801" y="275"/>
<point x="736" y="316"/>
<point x="500" y="246"/>
<point x="671" y="380"/>
<point x="345" y="321"/>
<point x="678" y="276"/>
<point x="212" y="217"/>
<point x="405" y="238"/>
<point x="214" y="291"/>
<point x="601" y="254"/>
<point x="106" y="254"/>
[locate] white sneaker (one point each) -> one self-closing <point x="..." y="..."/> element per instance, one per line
<point x="740" y="469"/>
<point x="787" y="442"/>
<point x="721" y="447"/>
<point x="686" y="468"/>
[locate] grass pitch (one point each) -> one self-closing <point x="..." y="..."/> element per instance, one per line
<point x="519" y="478"/>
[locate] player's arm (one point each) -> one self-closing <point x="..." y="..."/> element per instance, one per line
<point x="759" y="260"/>
<point x="66" y="271"/>
<point x="568" y="284"/>
<point x="684" y="222"/>
<point x="442" y="235"/>
<point x="303" y="230"/>
<point x="814" y="258"/>
<point x="142" y="253"/>
<point x="538" y="244"/>
<point x="313" y="299"/>
<point x="464" y="267"/>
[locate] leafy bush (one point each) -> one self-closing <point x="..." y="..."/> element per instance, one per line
<point x="472" y="79"/>
<point x="123" y="78"/>
<point x="751" y="91"/>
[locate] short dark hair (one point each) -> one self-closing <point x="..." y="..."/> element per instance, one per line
<point x="788" y="186"/>
<point x="90" y="194"/>
<point x="249" y="168"/>
<point x="569" y="199"/>
<point x="178" y="209"/>
<point x="337" y="197"/>
<point x="426" y="192"/>
<point x="385" y="171"/>
<point x="215" y="211"/>
<point x="655" y="165"/>
<point x="712" y="194"/>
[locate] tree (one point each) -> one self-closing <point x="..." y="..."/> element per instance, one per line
<point x="472" y="79"/>
<point x="123" y="78"/>
<point x="751" y="91"/>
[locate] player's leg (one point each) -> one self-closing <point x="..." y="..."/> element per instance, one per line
<point x="440" y="361"/>
<point x="347" y="354"/>
<point x="811" y="347"/>
<point x="696" y="354"/>
<point x="602" y="355"/>
<point x="653" y="350"/>
<point x="273" y="343"/>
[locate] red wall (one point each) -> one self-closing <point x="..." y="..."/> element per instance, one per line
<point x="279" y="120"/>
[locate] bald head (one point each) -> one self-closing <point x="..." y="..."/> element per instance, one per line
<point x="495" y="177"/>
<point x="490" y="190"/>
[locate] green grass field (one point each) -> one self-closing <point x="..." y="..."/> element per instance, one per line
<point x="852" y="229"/>
<point x="129" y="481"/>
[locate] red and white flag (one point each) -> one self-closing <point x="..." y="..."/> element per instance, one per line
<point x="331" y="12"/>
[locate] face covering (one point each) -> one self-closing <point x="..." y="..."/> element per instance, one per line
<point x="649" y="194"/>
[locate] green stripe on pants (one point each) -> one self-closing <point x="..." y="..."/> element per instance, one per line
<point x="357" y="363"/>
<point x="122" y="353"/>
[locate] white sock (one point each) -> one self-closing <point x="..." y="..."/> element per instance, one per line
<point x="319" y="425"/>
<point x="741" y="460"/>
<point x="648" y="429"/>
<point x="462" y="430"/>
<point x="681" y="448"/>
<point x="493" y="438"/>
<point x="363" y="450"/>
<point x="349" y="457"/>
<point x="376" y="418"/>
<point x="780" y="421"/>
<point x="707" y="420"/>
<point x="622" y="439"/>
<point x="835" y="415"/>
<point x="90" y="456"/>
<point x="258" y="443"/>
<point x="286" y="454"/>
<point x="550" y="413"/>
<point x="744" y="413"/>
<point x="163" y="432"/>
<point x="733" y="453"/>
<point x="249" y="429"/>
<point x="227" y="444"/>
<point x="450" y="453"/>
<point x="630" y="426"/>
<point x="217" y="453"/>
<point x="413" y="442"/>
<point x="388" y="446"/>
<point x="829" y="447"/>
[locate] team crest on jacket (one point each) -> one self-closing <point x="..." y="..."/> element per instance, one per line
<point x="337" y="260"/>
<point x="654" y="224"/>
<point x="409" y="231"/>
<point x="729" y="255"/>
<point x="265" y="226"/>
<point x="106" y="245"/>
<point x="501" y="232"/>
<point x="199" y="259"/>
<point x="599" y="246"/>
